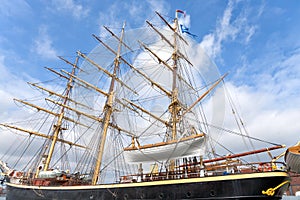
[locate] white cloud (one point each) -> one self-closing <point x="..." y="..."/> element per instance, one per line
<point x="268" y="102"/>
<point x="270" y="105"/>
<point x="14" y="8"/>
<point x="276" y="75"/>
<point x="229" y="27"/>
<point x="14" y="85"/>
<point x="265" y="118"/>
<point x="43" y="44"/>
<point x="77" y="10"/>
<point x="9" y="82"/>
<point x="159" y="6"/>
<point x="250" y="32"/>
<point x="223" y="31"/>
<point x="109" y="18"/>
<point x="261" y="117"/>
<point x="133" y="11"/>
<point x="5" y="100"/>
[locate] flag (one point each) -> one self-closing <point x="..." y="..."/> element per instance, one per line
<point x="180" y="11"/>
<point x="186" y="30"/>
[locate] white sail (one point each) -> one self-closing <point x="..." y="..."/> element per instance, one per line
<point x="194" y="146"/>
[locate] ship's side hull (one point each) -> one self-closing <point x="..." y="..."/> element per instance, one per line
<point x="235" y="186"/>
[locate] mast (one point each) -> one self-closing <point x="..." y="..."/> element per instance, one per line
<point x="108" y="111"/>
<point x="173" y="107"/>
<point x="174" y="102"/>
<point x="57" y="127"/>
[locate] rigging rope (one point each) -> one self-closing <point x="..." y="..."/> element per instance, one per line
<point x="236" y="115"/>
<point x="240" y="134"/>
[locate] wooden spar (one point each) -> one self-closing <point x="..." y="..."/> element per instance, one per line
<point x="141" y="73"/>
<point x="59" y="95"/>
<point x="114" y="35"/>
<point x="57" y="126"/>
<point x="63" y="76"/>
<point x="147" y="78"/>
<point x="49" y="112"/>
<point x="89" y="116"/>
<point x="159" y="59"/>
<point x="165" y="21"/>
<point x="160" y="34"/>
<point x="93" y="63"/>
<point x="86" y="83"/>
<point x="244" y="154"/>
<point x="165" y="39"/>
<point x="162" y="61"/>
<point x="185" y="58"/>
<point x="105" y="71"/>
<point x="108" y="112"/>
<point x="41" y="135"/>
<point x="125" y="105"/>
<point x="74" y="110"/>
<point x="134" y="68"/>
<point x="57" y="73"/>
<point x="173" y="29"/>
<point x="156" y="56"/>
<point x="68" y="62"/>
<point x="203" y="95"/>
<point x="148" y="113"/>
<point x="105" y="45"/>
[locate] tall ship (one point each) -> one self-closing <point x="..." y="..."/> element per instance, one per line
<point x="141" y="116"/>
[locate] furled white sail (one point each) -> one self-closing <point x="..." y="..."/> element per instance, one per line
<point x="183" y="148"/>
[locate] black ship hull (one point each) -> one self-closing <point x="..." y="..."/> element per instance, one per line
<point x="234" y="186"/>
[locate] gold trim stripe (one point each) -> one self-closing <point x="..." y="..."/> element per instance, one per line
<point x="156" y="183"/>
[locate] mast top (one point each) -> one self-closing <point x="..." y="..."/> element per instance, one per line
<point x="179" y="11"/>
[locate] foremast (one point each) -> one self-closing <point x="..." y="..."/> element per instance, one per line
<point x="108" y="109"/>
<point x="58" y="126"/>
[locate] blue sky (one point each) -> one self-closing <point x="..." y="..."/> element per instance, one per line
<point x="257" y="42"/>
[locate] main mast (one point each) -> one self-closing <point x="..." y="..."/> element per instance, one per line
<point x="108" y="111"/>
<point x="174" y="103"/>
<point x="174" y="107"/>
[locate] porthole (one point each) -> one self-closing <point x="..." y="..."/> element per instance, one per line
<point x="188" y="194"/>
<point x="212" y="193"/>
<point x="161" y="196"/>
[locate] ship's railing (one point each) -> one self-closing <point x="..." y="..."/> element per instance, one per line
<point x="197" y="170"/>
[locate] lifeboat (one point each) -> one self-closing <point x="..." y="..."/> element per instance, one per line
<point x="292" y="158"/>
<point x="188" y="146"/>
